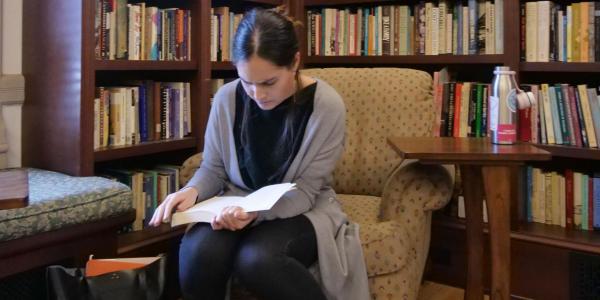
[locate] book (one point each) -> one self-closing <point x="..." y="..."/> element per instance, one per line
<point x="262" y="199"/>
<point x="95" y="267"/>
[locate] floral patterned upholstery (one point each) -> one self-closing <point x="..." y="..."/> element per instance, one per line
<point x="57" y="200"/>
<point x="390" y="198"/>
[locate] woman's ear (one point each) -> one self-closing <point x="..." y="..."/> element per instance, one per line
<point x="296" y="64"/>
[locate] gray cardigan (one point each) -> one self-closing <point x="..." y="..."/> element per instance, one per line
<point x="342" y="269"/>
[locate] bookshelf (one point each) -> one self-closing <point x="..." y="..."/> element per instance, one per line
<point x="62" y="73"/>
<point x="534" y="244"/>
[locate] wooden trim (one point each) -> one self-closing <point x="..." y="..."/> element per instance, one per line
<point x="406" y="60"/>
<point x="571" y="151"/>
<point x="560" y="67"/>
<point x="116" y="152"/>
<point x="144" y="65"/>
<point x="97" y="237"/>
<point x="136" y="240"/>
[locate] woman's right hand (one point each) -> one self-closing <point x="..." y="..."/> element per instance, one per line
<point x="180" y="200"/>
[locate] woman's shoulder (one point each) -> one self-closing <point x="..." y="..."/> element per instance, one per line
<point x="327" y="99"/>
<point x="225" y="95"/>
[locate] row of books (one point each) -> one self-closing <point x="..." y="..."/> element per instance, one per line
<point x="555" y="32"/>
<point x="136" y="32"/>
<point x="564" y="115"/>
<point x="144" y="111"/>
<point x="460" y="108"/>
<point x="570" y="199"/>
<point x="223" y="25"/>
<point x="427" y="28"/>
<point x="149" y="186"/>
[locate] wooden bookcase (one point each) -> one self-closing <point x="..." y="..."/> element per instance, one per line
<point x="541" y="253"/>
<point x="61" y="74"/>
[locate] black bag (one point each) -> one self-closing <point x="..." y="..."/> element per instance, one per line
<point x="146" y="283"/>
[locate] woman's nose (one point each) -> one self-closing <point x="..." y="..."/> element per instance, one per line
<point x="259" y="93"/>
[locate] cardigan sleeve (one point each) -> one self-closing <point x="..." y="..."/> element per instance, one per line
<point x="210" y="178"/>
<point x="327" y="135"/>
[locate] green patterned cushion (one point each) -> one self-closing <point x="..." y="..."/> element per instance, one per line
<point x="57" y="200"/>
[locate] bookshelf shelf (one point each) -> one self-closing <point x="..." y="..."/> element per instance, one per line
<point x="571" y="152"/>
<point x="132" y="241"/>
<point x="111" y="153"/>
<point x="269" y="2"/>
<point x="406" y="60"/>
<point x="549" y="235"/>
<point x="574" y="67"/>
<point x="127" y="65"/>
<point x="221" y="66"/>
<point x="343" y="2"/>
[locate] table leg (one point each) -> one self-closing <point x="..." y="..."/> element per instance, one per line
<point x="472" y="184"/>
<point x="497" y="189"/>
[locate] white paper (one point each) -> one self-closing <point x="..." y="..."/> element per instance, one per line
<point x="205" y="211"/>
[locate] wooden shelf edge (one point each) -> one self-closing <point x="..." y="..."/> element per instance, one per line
<point x="269" y="2"/>
<point x="550" y="235"/>
<point x="407" y="59"/>
<point x="221" y="66"/>
<point x="342" y="2"/>
<point x="143" y="65"/>
<point x="570" y="151"/>
<point x="559" y="67"/>
<point x="111" y="153"/>
<point x="131" y="241"/>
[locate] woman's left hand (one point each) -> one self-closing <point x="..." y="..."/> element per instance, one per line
<point x="233" y="218"/>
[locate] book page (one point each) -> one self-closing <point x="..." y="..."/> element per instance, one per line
<point x="205" y="211"/>
<point x="265" y="198"/>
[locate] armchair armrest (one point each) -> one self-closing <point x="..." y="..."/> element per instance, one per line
<point x="415" y="189"/>
<point x="189" y="167"/>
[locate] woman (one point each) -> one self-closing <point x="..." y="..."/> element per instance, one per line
<point x="272" y="125"/>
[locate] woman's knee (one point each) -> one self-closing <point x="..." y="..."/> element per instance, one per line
<point x="253" y="262"/>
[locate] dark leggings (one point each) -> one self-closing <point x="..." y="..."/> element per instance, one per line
<point x="270" y="260"/>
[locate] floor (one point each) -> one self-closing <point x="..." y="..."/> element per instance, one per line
<point x="435" y="291"/>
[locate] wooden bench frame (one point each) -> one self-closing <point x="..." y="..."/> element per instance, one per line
<point x="72" y="242"/>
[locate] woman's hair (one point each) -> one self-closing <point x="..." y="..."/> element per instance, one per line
<point x="269" y="34"/>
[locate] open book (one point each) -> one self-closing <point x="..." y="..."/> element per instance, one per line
<point x="205" y="211"/>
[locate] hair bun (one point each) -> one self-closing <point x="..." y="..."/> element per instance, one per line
<point x="283" y="11"/>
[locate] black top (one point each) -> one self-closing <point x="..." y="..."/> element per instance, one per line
<point x="265" y="157"/>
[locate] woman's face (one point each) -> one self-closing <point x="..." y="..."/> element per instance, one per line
<point x="266" y="83"/>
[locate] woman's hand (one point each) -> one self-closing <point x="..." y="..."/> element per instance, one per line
<point x="233" y="218"/>
<point x="181" y="200"/>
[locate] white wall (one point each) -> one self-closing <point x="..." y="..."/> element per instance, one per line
<point x="12" y="14"/>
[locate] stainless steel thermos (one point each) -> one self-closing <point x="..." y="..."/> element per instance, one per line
<point x="503" y="107"/>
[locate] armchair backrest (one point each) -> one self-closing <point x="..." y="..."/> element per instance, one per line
<point x="380" y="102"/>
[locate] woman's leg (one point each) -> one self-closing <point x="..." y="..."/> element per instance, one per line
<point x="273" y="258"/>
<point x="205" y="261"/>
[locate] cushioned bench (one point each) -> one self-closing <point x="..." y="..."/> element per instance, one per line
<point x="67" y="217"/>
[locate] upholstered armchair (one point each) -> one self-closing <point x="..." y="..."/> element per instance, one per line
<point x="391" y="199"/>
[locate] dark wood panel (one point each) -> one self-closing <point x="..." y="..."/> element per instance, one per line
<point x="561" y="67"/>
<point x="120" y="65"/>
<point x="464" y="150"/>
<point x="571" y="151"/>
<point x="77" y="241"/>
<point x="537" y="271"/>
<point x="117" y="152"/>
<point x="52" y="112"/>
<point x="405" y="59"/>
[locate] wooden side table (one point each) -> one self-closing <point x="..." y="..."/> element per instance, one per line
<point x="14" y="188"/>
<point x="485" y="168"/>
